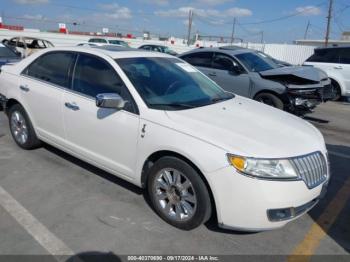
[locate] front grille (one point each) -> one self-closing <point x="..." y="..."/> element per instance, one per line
<point x="312" y="168"/>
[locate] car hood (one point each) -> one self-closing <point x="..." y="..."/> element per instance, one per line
<point x="302" y="72"/>
<point x="245" y="127"/>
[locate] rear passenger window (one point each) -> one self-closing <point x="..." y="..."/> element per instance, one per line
<point x="52" y="68"/>
<point x="201" y="59"/>
<point x="331" y="55"/>
<point x="345" y="56"/>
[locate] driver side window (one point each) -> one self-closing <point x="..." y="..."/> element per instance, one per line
<point x="225" y="62"/>
<point x="93" y="76"/>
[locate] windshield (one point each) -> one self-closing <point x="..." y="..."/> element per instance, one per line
<point x="171" y="84"/>
<point x="6" y="52"/>
<point x="257" y="62"/>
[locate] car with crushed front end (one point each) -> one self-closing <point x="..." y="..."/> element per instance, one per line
<point x="161" y="124"/>
<point x="255" y="75"/>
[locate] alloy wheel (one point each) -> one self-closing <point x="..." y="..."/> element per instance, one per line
<point x="175" y="195"/>
<point x="19" y="127"/>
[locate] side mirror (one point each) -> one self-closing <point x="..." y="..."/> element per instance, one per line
<point x="110" y="101"/>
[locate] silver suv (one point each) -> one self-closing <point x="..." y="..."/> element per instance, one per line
<point x="255" y="75"/>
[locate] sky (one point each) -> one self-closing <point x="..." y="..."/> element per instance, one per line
<point x="271" y="21"/>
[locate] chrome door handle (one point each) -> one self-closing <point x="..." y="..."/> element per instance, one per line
<point x="212" y="74"/>
<point x="72" y="106"/>
<point x="338" y="67"/>
<point x="24" y="88"/>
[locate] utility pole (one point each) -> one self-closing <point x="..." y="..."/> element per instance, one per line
<point x="307" y="29"/>
<point x="190" y="19"/>
<point x="233" y="30"/>
<point x="262" y="37"/>
<point x="329" y="18"/>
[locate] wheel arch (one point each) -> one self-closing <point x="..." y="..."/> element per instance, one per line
<point x="272" y="92"/>
<point x="163" y="153"/>
<point x="11" y="102"/>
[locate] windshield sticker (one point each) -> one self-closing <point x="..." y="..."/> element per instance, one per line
<point x="187" y="68"/>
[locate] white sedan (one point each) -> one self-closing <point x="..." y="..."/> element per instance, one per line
<point x="157" y="122"/>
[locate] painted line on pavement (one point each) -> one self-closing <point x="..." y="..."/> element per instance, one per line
<point x="37" y="230"/>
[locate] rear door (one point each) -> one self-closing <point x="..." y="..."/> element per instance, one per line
<point x="228" y="79"/>
<point x="42" y="85"/>
<point x="104" y="136"/>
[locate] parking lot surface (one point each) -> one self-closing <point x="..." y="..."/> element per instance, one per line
<point x="53" y="203"/>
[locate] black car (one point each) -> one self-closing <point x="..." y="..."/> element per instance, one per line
<point x="8" y="55"/>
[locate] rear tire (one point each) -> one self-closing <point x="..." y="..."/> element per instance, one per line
<point x="21" y="128"/>
<point x="270" y="99"/>
<point x="178" y="194"/>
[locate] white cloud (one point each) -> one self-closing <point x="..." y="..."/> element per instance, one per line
<point x="116" y="12"/>
<point x="35" y="17"/>
<point x="238" y="12"/>
<point x="184" y="11"/>
<point x="30" y="2"/>
<point x="158" y="2"/>
<point x="308" y="10"/>
<point x="212" y="2"/>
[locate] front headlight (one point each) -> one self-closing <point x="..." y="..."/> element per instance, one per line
<point x="264" y="168"/>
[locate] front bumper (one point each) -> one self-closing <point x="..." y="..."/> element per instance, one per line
<point x="303" y="99"/>
<point x="244" y="203"/>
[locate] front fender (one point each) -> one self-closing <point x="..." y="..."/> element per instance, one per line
<point x="205" y="156"/>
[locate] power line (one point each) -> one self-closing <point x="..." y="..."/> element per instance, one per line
<point x="284" y="17"/>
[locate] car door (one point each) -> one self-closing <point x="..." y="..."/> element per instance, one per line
<point x="345" y="68"/>
<point x="202" y="61"/>
<point x="42" y="85"/>
<point x="230" y="75"/>
<point x="107" y="137"/>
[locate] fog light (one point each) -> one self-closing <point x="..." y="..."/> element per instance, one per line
<point x="280" y="214"/>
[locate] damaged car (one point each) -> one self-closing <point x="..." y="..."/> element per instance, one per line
<point x="27" y="45"/>
<point x="253" y="74"/>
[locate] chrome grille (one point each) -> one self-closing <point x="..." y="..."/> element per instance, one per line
<point x="311" y="168"/>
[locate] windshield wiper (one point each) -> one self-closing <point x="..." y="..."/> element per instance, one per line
<point x="220" y="99"/>
<point x="175" y="105"/>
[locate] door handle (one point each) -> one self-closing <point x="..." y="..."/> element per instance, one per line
<point x="72" y="106"/>
<point x="212" y="74"/>
<point x="24" y="88"/>
<point x="338" y="67"/>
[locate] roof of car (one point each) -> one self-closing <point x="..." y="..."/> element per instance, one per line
<point x="153" y="45"/>
<point x="31" y="38"/>
<point x="229" y="51"/>
<point x="113" y="52"/>
<point x="332" y="47"/>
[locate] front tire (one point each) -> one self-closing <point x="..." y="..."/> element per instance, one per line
<point x="270" y="99"/>
<point x="178" y="193"/>
<point x="21" y="128"/>
<point x="337" y="91"/>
